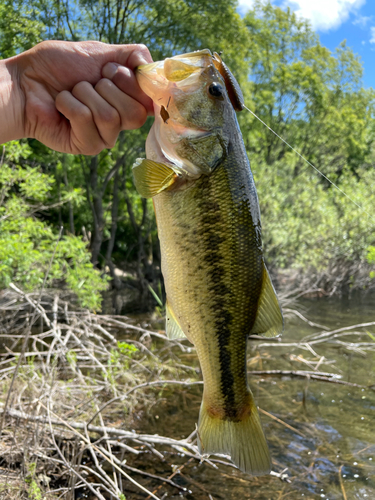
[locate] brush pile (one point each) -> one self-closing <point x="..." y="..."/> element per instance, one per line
<point x="77" y="390"/>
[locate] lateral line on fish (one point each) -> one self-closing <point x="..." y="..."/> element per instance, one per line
<point x="311" y="165"/>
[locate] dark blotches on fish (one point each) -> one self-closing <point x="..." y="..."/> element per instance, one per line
<point x="164" y="114"/>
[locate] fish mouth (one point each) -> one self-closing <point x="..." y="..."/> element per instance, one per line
<point x="180" y="71"/>
<point x="161" y="79"/>
<point x="177" y="130"/>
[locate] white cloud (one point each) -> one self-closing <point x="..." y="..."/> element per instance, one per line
<point x="372" y="31"/>
<point x="323" y="14"/>
<point x="362" y="21"/>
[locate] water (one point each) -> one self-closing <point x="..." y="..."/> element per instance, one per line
<point x="325" y="436"/>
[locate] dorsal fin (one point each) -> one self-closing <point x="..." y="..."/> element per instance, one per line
<point x="231" y="84"/>
<point x="269" y="320"/>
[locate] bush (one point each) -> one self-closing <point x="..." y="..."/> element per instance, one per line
<point x="30" y="249"/>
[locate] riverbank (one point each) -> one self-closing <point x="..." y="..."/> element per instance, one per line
<point x="102" y="406"/>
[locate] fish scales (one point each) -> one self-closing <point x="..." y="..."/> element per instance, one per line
<point x="215" y="303"/>
<point x="218" y="289"/>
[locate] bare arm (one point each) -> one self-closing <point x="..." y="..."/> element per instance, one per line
<point x="75" y="97"/>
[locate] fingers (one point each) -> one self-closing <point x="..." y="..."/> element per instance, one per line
<point x="131" y="112"/>
<point x="97" y="115"/>
<point x="105" y="117"/>
<point x="83" y="137"/>
<point x="125" y="80"/>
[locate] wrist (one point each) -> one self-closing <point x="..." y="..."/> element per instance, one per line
<point x="11" y="101"/>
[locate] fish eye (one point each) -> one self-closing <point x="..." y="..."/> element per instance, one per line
<point x="216" y="90"/>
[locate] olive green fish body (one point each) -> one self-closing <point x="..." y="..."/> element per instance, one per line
<point x="212" y="265"/>
<point x="218" y="289"/>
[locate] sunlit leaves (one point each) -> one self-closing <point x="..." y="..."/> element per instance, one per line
<point x="29" y="248"/>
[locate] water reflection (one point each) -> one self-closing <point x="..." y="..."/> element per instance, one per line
<point x="324" y="434"/>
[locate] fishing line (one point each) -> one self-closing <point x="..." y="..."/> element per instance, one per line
<point x="309" y="163"/>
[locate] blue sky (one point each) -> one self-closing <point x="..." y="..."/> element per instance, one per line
<point x="338" y="20"/>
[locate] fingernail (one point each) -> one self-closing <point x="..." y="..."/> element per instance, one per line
<point x="126" y="71"/>
<point x="109" y="70"/>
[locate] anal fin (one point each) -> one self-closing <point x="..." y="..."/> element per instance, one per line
<point x="269" y="320"/>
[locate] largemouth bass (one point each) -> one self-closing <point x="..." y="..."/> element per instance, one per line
<point x="218" y="289"/>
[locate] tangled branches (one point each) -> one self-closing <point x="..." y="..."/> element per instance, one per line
<point x="75" y="383"/>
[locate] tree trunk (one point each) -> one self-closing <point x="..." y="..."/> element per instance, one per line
<point x="114" y="213"/>
<point x="97" y="211"/>
<point x="70" y="204"/>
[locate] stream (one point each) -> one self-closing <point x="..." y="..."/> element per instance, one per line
<point x="321" y="434"/>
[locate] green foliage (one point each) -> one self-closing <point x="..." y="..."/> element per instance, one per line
<point x="310" y="96"/>
<point x="371" y="255"/>
<point x="119" y="362"/>
<point x="29" y="248"/>
<point x="121" y="356"/>
<point x="71" y="357"/>
<point x="306" y="225"/>
<point x="34" y="492"/>
<point x="20" y="28"/>
<point x="313" y="99"/>
<point x="126" y="349"/>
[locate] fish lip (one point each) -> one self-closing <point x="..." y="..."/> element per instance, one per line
<point x="189" y="55"/>
<point x="155" y="72"/>
<point x="146" y="67"/>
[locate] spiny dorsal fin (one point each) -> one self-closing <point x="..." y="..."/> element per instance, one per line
<point x="231" y="84"/>
<point x="269" y="319"/>
<point x="172" y="328"/>
<point x="151" y="178"/>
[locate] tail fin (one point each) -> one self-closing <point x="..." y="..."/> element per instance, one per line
<point x="244" y="440"/>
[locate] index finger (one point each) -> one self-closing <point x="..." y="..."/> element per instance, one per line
<point x="137" y="54"/>
<point x="124" y="78"/>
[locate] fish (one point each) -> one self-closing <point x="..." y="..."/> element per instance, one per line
<point x="218" y="290"/>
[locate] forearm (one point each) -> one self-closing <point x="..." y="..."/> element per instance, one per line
<point x="11" y="102"/>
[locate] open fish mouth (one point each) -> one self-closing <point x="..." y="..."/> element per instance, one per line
<point x="178" y="87"/>
<point x="175" y="76"/>
<point x="192" y="94"/>
<point x="183" y="70"/>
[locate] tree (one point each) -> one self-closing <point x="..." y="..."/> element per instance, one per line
<point x="31" y="253"/>
<point x="312" y="98"/>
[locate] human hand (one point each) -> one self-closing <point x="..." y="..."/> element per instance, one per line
<point x="74" y="97"/>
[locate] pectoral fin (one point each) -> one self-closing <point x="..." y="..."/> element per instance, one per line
<point x="269" y="319"/>
<point x="151" y="178"/>
<point x="172" y="328"/>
